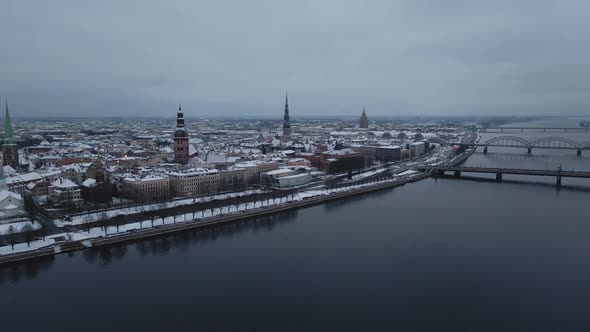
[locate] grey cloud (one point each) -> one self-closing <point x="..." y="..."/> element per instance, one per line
<point x="238" y="57"/>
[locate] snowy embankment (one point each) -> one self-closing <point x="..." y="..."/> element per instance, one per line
<point x="101" y="215"/>
<point x="109" y="230"/>
<point x="406" y="173"/>
<point x="368" y="174"/>
<point x="17" y="227"/>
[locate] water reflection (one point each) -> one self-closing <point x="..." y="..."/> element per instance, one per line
<point x="155" y="246"/>
<point x="547" y="182"/>
<point x="27" y="270"/>
<point x="332" y="206"/>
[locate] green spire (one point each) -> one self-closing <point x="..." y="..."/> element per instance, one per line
<point x="8" y="134"/>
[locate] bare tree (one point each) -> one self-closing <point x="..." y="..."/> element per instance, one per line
<point x="153" y="216"/>
<point x="10" y="236"/>
<point x="141" y="215"/>
<point x="87" y="221"/>
<point x="28" y="232"/>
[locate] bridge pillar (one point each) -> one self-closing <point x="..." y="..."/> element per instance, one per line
<point x="499" y="177"/>
<point x="559" y="180"/>
<point x="457" y="173"/>
<point x="529" y="150"/>
<point x="579" y="152"/>
<point x="485" y="149"/>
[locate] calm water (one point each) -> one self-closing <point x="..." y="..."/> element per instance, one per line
<point x="435" y="255"/>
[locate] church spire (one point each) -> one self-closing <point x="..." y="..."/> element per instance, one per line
<point x="286" y="118"/>
<point x="286" y="121"/>
<point x="179" y="117"/>
<point x="8" y="133"/>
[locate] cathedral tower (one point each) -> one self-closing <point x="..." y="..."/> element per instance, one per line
<point x="180" y="139"/>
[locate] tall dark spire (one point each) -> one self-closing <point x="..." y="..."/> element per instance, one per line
<point x="8" y="133"/>
<point x="286" y="119"/>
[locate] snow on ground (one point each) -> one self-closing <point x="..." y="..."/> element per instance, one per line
<point x="17" y="226"/>
<point x="96" y="232"/>
<point x="408" y="172"/>
<point x="21" y="247"/>
<point x="367" y="174"/>
<point x="101" y="215"/>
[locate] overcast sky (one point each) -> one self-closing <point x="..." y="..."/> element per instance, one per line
<point x="436" y="57"/>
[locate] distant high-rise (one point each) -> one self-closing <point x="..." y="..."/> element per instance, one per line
<point x="10" y="148"/>
<point x="364" y="121"/>
<point x="286" y="121"/>
<point x="180" y="139"/>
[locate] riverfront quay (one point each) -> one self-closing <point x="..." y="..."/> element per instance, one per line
<point x="69" y="246"/>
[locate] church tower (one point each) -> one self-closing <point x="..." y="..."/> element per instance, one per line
<point x="364" y="121"/>
<point x="180" y="139"/>
<point x="10" y="148"/>
<point x="286" y="122"/>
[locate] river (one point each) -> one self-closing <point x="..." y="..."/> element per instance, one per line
<point x="439" y="254"/>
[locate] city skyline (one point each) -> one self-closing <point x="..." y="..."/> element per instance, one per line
<point x="406" y="58"/>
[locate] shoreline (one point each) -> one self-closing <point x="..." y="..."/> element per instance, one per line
<point x="70" y="246"/>
<point x="76" y="245"/>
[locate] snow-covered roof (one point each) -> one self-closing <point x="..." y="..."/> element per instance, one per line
<point x="89" y="183"/>
<point x="8" y="170"/>
<point x="64" y="183"/>
<point x="194" y="172"/>
<point x="4" y="194"/>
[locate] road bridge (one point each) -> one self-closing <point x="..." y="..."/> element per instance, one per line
<point x="458" y="170"/>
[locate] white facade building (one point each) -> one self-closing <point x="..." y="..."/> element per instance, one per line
<point x="417" y="149"/>
<point x="194" y="182"/>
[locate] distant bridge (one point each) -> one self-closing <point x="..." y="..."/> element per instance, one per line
<point x="543" y="143"/>
<point x="502" y="129"/>
<point x="458" y="170"/>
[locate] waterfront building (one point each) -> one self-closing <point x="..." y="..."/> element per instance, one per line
<point x="232" y="179"/>
<point x="417" y="149"/>
<point x="383" y="153"/>
<point x="9" y="148"/>
<point x="346" y="160"/>
<point x="147" y="188"/>
<point x="364" y="121"/>
<point x="65" y="191"/>
<point x="286" y="177"/>
<point x="181" y="149"/>
<point x="194" y="182"/>
<point x="253" y="169"/>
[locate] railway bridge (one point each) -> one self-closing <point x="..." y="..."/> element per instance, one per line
<point x="558" y="143"/>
